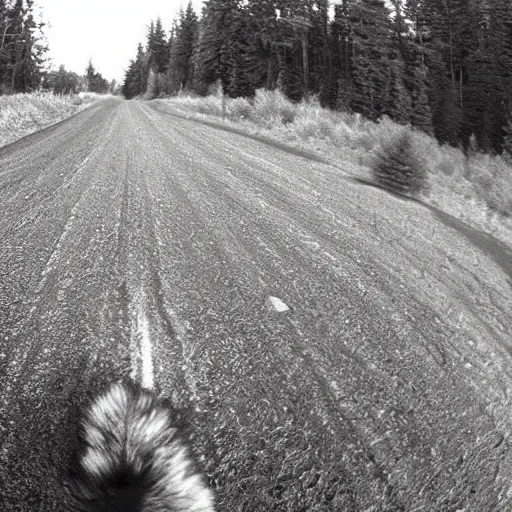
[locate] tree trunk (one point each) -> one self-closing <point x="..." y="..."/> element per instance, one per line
<point x="305" y="63"/>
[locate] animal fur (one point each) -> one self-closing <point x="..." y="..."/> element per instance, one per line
<point x="132" y="458"/>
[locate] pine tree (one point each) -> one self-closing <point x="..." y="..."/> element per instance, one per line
<point x="21" y="54"/>
<point x="136" y="76"/>
<point x="94" y="81"/>
<point x="11" y="44"/>
<point x="157" y="46"/>
<point x="371" y="48"/>
<point x="192" y="62"/>
<point x="412" y="37"/>
<point x="199" y="83"/>
<point x="150" y="36"/>
<point x="341" y="37"/>
<point x="216" y="43"/>
<point x="128" y="89"/>
<point x="213" y="26"/>
<point x="266" y="43"/>
<point x="497" y="28"/>
<point x="421" y="114"/>
<point x="398" y="169"/>
<point x="322" y="78"/>
<point x="397" y="102"/>
<point x="185" y="35"/>
<point x="448" y="116"/>
<point x="188" y="43"/>
<point x="295" y="31"/>
<point x="61" y="81"/>
<point x="449" y="27"/>
<point x="289" y="79"/>
<point x="237" y="57"/>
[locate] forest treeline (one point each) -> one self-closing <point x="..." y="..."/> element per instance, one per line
<point x="23" y="60"/>
<point x="444" y="66"/>
<point x="21" y="50"/>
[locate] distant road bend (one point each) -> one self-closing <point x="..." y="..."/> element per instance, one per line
<point x="336" y="348"/>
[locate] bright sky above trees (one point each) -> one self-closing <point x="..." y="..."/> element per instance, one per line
<point x="106" y="30"/>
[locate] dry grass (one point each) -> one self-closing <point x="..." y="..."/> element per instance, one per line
<point x="492" y="179"/>
<point x="21" y="114"/>
<point x="477" y="189"/>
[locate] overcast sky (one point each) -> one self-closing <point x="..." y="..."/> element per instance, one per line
<point x="106" y="30"/>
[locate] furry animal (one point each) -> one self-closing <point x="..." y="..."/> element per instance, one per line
<point x="132" y="458"/>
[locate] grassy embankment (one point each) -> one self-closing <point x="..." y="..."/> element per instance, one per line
<point x="22" y="114"/>
<point x="475" y="188"/>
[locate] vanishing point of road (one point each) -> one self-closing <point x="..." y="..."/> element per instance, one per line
<point x="332" y="347"/>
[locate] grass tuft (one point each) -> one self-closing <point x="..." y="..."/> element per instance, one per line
<point x="239" y="108"/>
<point x="272" y="107"/>
<point x="492" y="180"/>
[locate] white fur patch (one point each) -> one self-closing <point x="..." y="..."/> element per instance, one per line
<point x="125" y="428"/>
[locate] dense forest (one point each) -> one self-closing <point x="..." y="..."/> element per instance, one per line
<point x="23" y="56"/>
<point x="21" y="50"/>
<point x="444" y="66"/>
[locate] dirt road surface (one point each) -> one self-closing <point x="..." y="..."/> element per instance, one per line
<point x="333" y="347"/>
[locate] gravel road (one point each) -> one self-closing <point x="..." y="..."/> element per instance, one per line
<point x="332" y="347"/>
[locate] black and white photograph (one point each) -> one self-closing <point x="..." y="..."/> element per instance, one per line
<point x="256" y="256"/>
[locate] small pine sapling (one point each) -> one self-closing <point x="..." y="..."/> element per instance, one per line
<point x="397" y="168"/>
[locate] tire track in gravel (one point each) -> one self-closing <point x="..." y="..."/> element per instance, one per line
<point x="22" y="219"/>
<point x="152" y="321"/>
<point x="17" y="352"/>
<point x="73" y="342"/>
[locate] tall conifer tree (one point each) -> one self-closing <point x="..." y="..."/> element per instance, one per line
<point x="181" y="67"/>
